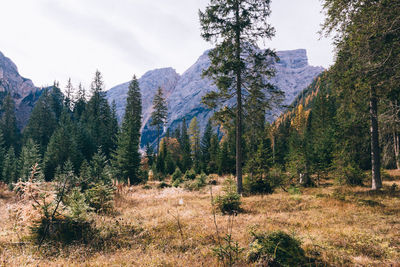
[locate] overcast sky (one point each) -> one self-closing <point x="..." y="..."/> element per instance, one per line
<point x="55" y="39"/>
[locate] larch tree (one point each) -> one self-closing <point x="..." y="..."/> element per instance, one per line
<point x="127" y="156"/>
<point x="159" y="114"/>
<point x="236" y="27"/>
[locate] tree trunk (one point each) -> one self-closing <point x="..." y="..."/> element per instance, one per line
<point x="239" y="106"/>
<point x="396" y="148"/>
<point x="375" y="153"/>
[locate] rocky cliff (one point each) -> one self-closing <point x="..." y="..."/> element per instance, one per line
<point x="24" y="93"/>
<point x="184" y="93"/>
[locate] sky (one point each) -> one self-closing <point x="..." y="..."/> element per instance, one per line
<point x="59" y="39"/>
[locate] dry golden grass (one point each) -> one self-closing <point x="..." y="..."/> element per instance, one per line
<point x="337" y="226"/>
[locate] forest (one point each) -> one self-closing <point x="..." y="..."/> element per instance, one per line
<point x="318" y="186"/>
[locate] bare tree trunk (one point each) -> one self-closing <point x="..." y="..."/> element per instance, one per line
<point x="239" y="107"/>
<point x="375" y="153"/>
<point x="396" y="148"/>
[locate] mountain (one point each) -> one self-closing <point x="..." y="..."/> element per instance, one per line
<point x="184" y="92"/>
<point x="24" y="93"/>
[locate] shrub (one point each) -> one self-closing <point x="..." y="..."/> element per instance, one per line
<point x="163" y="185"/>
<point x="177" y="175"/>
<point x="350" y="175"/>
<point x="63" y="229"/>
<point x="228" y="252"/>
<point x="294" y="190"/>
<point x="189" y="175"/>
<point x="229" y="202"/>
<point x="276" y="249"/>
<point x="100" y="197"/>
<point x="198" y="183"/>
<point x="253" y="185"/>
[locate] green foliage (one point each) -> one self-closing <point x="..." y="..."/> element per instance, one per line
<point x="100" y="197"/>
<point x="276" y="249"/>
<point x="10" y="167"/>
<point x="349" y="174"/>
<point x="199" y="182"/>
<point x="28" y="158"/>
<point x="253" y="185"/>
<point x="190" y="175"/>
<point x="127" y="157"/>
<point x="229" y="203"/>
<point x="177" y="175"/>
<point x="159" y="114"/>
<point x="8" y="123"/>
<point x="228" y="252"/>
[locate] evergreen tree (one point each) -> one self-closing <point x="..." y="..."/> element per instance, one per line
<point x="159" y="114"/>
<point x="42" y="122"/>
<point x="29" y="157"/>
<point x="205" y="146"/>
<point x="80" y="103"/>
<point x="98" y="119"/>
<point x="62" y="147"/>
<point x="368" y="50"/>
<point x="2" y="154"/>
<point x="236" y="62"/>
<point x="186" y="162"/>
<point x="10" y="167"/>
<point x="8" y="123"/>
<point x="212" y="166"/>
<point x="127" y="156"/>
<point x="69" y="89"/>
<point x="194" y="132"/>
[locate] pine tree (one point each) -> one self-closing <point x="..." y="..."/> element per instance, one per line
<point x="69" y="89"/>
<point x="98" y="119"/>
<point x="236" y="27"/>
<point x="186" y="163"/>
<point x="29" y="157"/>
<point x="127" y="156"/>
<point x="10" y="167"/>
<point x="205" y="146"/>
<point x="366" y="36"/>
<point x="62" y="147"/>
<point x="194" y="132"/>
<point x="8" y="123"/>
<point x="159" y="114"/>
<point x="42" y="122"/>
<point x="2" y="154"/>
<point x="80" y="102"/>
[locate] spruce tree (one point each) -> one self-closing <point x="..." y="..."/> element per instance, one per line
<point x="236" y="62"/>
<point x="205" y="146"/>
<point x="29" y="157"/>
<point x="10" y="167"/>
<point x="42" y="122"/>
<point x="127" y="156"/>
<point x="98" y="119"/>
<point x="2" y="154"/>
<point x="8" y="123"/>
<point x="185" y="145"/>
<point x="159" y="114"/>
<point x="194" y="132"/>
<point x="69" y="90"/>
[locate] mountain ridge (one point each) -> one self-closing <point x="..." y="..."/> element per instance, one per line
<point x="183" y="92"/>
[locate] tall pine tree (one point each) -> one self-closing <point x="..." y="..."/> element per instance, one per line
<point x="159" y="114"/>
<point x="127" y="156"/>
<point x="236" y="63"/>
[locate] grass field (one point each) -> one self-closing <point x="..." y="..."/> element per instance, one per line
<point x="337" y="225"/>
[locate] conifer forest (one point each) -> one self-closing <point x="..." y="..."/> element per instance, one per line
<point x="85" y="181"/>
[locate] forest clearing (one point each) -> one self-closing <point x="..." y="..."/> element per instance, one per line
<point x="151" y="226"/>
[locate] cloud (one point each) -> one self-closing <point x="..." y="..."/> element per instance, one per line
<point x="100" y="29"/>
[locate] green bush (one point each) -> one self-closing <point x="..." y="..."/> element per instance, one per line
<point x="276" y="249"/>
<point x="229" y="202"/>
<point x="100" y="197"/>
<point x="253" y="185"/>
<point x="62" y="229"/>
<point x="189" y="175"/>
<point x="350" y="175"/>
<point x="163" y="185"/>
<point x="196" y="184"/>
<point x="177" y="175"/>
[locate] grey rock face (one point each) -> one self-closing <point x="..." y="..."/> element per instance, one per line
<point x="184" y="93"/>
<point x="22" y="90"/>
